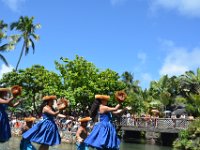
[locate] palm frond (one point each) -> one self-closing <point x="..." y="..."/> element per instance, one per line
<point x="4" y="47"/>
<point x="26" y="49"/>
<point x="4" y="60"/>
<point x="33" y="45"/>
<point x="35" y="36"/>
<point x="13" y="25"/>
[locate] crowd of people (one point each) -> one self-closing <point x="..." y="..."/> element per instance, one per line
<point x="96" y="131"/>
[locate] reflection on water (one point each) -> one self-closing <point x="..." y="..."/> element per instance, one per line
<point x="14" y="142"/>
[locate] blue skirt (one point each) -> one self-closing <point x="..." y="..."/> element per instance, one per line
<point x="44" y="132"/>
<point x="103" y="136"/>
<point x="5" y="132"/>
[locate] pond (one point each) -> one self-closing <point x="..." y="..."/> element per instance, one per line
<point x="14" y="142"/>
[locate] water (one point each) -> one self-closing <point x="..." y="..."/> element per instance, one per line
<point x="13" y="144"/>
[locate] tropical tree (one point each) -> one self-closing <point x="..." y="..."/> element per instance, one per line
<point x="3" y="47"/>
<point x="127" y="78"/>
<point x="164" y="90"/>
<point x="137" y="98"/>
<point x="190" y="82"/>
<point x="191" y="103"/>
<point x="82" y="80"/>
<point x="131" y="84"/>
<point x="27" y="28"/>
<point x="36" y="82"/>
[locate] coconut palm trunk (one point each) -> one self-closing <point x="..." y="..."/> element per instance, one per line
<point x="20" y="56"/>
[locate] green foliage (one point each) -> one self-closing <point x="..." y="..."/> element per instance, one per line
<point x="190" y="83"/>
<point x="136" y="96"/>
<point x="4" y="43"/>
<point x="83" y="80"/>
<point x="189" y="139"/>
<point x="36" y="82"/>
<point x="164" y="90"/>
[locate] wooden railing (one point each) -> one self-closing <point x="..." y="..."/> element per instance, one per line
<point x="160" y="123"/>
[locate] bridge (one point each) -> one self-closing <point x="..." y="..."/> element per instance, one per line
<point x="162" y="125"/>
<point x="168" y="128"/>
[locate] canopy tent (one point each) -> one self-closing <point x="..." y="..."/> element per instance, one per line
<point x="179" y="112"/>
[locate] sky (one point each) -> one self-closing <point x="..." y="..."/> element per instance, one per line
<point x="148" y="38"/>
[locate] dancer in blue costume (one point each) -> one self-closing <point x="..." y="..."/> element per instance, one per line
<point x="26" y="144"/>
<point x="103" y="135"/>
<point x="5" y="131"/>
<point x="45" y="132"/>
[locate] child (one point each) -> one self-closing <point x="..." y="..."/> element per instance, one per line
<point x="82" y="133"/>
<point x="26" y="144"/>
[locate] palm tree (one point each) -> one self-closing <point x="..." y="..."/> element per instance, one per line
<point x="3" y="47"/>
<point x="132" y="85"/>
<point x="164" y="90"/>
<point x="127" y="77"/>
<point x="27" y="28"/>
<point x="190" y="82"/>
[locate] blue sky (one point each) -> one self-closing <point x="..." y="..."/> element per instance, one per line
<point x="148" y="38"/>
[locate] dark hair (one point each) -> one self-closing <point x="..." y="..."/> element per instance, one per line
<point x="94" y="109"/>
<point x="44" y="103"/>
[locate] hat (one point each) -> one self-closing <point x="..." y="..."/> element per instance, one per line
<point x="62" y="104"/>
<point x="51" y="97"/>
<point x="29" y="119"/>
<point x="85" y="119"/>
<point x="4" y="90"/>
<point x="16" y="90"/>
<point x="119" y="94"/>
<point x="102" y="97"/>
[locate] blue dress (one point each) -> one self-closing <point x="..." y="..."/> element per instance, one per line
<point x="104" y="135"/>
<point x="5" y="132"/>
<point x="44" y="132"/>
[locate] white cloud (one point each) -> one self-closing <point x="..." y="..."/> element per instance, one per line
<point x="5" y="69"/>
<point x="184" y="7"/>
<point x="14" y="5"/>
<point x="180" y="60"/>
<point x="142" y="57"/>
<point x="117" y="2"/>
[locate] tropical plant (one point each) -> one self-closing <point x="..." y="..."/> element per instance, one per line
<point x="189" y="139"/>
<point x="164" y="90"/>
<point x="6" y="46"/>
<point x="83" y="80"/>
<point x="27" y="28"/>
<point x="190" y="82"/>
<point x="36" y="82"/>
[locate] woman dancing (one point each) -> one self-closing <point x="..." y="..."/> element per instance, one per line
<point x="104" y="136"/>
<point x="5" y="131"/>
<point x="45" y="132"/>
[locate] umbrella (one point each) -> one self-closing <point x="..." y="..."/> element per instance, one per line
<point x="180" y="106"/>
<point x="167" y="111"/>
<point x="155" y="111"/>
<point x="179" y="112"/>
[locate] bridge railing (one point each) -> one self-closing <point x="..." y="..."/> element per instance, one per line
<point x="162" y="123"/>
